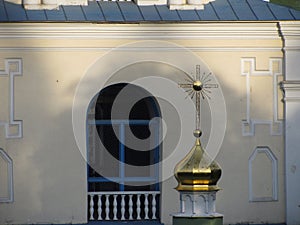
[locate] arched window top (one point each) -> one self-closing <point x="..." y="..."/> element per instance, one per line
<point x="145" y="107"/>
<point x="6" y="171"/>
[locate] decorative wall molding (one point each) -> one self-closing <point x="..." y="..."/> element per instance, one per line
<point x="97" y="49"/>
<point x="291" y="90"/>
<point x="290" y="31"/>
<point x="189" y="31"/>
<point x="9" y="162"/>
<point x="197" y="204"/>
<point x="13" y="67"/>
<point x="248" y="124"/>
<point x="267" y="151"/>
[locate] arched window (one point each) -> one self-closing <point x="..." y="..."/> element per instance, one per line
<point x="115" y="163"/>
<point x="6" y="177"/>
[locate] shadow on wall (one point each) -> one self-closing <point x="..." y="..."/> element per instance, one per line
<point x="50" y="171"/>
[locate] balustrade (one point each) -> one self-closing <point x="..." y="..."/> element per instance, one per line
<point x="138" y="205"/>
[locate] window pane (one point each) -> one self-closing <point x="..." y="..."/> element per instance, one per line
<point x="103" y="152"/>
<point x="132" y="186"/>
<point x="103" y="186"/>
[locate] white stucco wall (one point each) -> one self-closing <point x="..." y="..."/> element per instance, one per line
<point x="49" y="169"/>
<point x="291" y="87"/>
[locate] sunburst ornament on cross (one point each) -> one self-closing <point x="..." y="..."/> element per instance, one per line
<point x="198" y="87"/>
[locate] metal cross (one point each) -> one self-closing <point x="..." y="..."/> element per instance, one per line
<point x="198" y="87"/>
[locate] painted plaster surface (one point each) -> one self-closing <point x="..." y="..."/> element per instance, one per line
<point x="50" y="183"/>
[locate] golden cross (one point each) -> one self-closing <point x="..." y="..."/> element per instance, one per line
<point x="198" y="86"/>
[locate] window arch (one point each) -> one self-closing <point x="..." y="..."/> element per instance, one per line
<point x="6" y="177"/>
<point x="110" y="158"/>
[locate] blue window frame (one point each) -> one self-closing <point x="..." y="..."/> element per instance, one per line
<point x="106" y="176"/>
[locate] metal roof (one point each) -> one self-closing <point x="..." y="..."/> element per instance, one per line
<point x="129" y="12"/>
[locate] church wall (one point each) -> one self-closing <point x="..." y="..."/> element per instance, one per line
<point x="49" y="172"/>
<point x="49" y="177"/>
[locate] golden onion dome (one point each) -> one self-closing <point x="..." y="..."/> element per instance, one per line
<point x="197" y="172"/>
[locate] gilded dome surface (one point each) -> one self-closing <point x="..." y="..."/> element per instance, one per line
<point x="197" y="172"/>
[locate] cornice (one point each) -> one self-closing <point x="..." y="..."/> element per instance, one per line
<point x="140" y="49"/>
<point x="290" y="31"/>
<point x="141" y="31"/>
<point x="291" y="90"/>
<point x="290" y="85"/>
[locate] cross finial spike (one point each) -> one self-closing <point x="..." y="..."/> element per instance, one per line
<point x="198" y="72"/>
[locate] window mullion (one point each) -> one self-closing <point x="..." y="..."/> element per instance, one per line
<point x="156" y="153"/>
<point x="122" y="155"/>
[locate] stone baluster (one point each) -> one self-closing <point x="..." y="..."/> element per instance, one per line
<point x="138" y="207"/>
<point x="153" y="206"/>
<point x="107" y="207"/>
<point x="130" y="207"/>
<point x="99" y="207"/>
<point x="146" y="207"/>
<point x="115" y="207"/>
<point x="122" y="207"/>
<point x="91" y="207"/>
